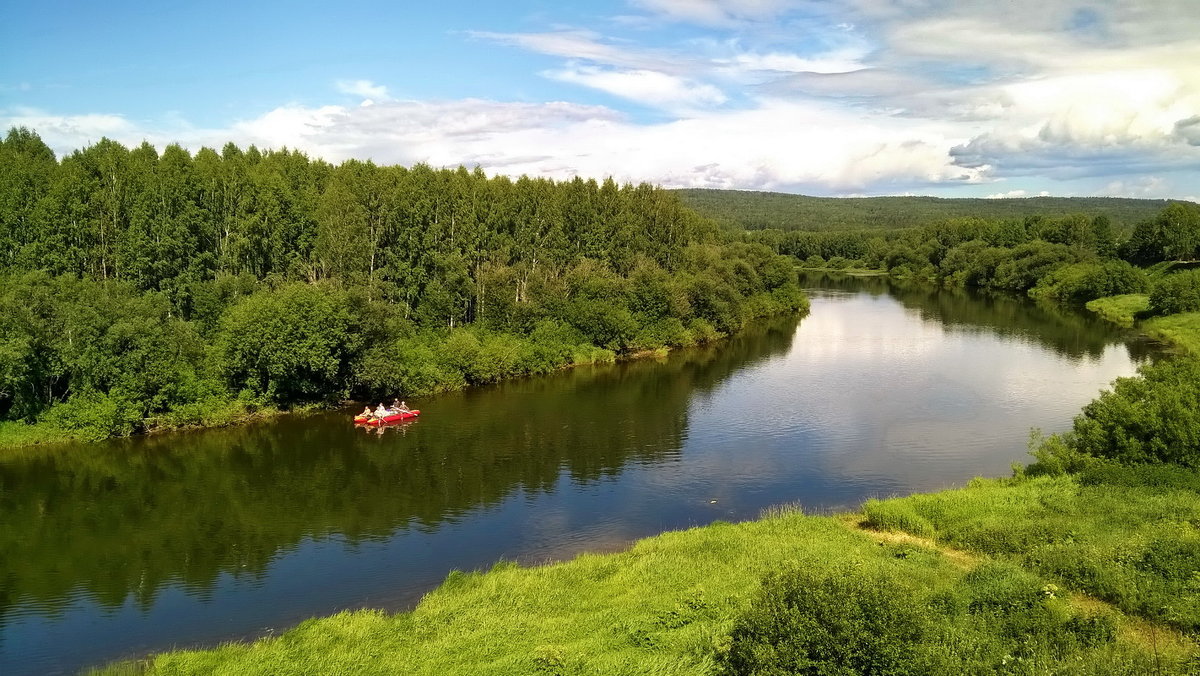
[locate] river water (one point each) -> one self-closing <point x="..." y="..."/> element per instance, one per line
<point x="115" y="550"/>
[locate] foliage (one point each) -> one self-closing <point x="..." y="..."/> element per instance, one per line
<point x="298" y="343"/>
<point x="1176" y="293"/>
<point x="1151" y="418"/>
<point x="840" y="621"/>
<point x="1083" y="282"/>
<point x="140" y="289"/>
<point x="1174" y="234"/>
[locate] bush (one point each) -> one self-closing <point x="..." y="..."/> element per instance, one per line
<point x="1176" y="293"/>
<point x="291" y="345"/>
<point x="95" y="416"/>
<point x="841" y="621"/>
<point x="1151" y="419"/>
<point x="1081" y="282"/>
<point x="406" y="367"/>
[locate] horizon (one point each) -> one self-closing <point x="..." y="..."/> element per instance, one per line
<point x="812" y="97"/>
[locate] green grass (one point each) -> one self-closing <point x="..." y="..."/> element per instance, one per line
<point x="984" y="566"/>
<point x="1182" y="330"/>
<point x="1132" y="543"/>
<point x="1122" y="310"/>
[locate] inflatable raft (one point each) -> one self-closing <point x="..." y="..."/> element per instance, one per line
<point x="396" y="417"/>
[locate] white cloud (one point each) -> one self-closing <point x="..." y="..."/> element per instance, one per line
<point x="65" y="133"/>
<point x="834" y="62"/>
<point x="779" y="145"/>
<point x="644" y="86"/>
<point x="1146" y="186"/>
<point x="1015" y="194"/>
<point x="363" y="88"/>
<point x="843" y="96"/>
<point x="586" y="46"/>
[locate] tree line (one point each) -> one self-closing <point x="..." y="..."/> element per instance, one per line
<point x="141" y="288"/>
<point x="1073" y="258"/>
<point x="752" y="210"/>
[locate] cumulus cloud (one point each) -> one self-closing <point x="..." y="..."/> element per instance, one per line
<point x="65" y="133"/>
<point x="778" y="146"/>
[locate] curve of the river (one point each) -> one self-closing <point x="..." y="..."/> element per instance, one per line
<point x="119" y="549"/>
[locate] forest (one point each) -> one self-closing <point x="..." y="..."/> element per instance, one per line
<point x="1074" y="258"/>
<point x="142" y="289"/>
<point x="752" y="210"/>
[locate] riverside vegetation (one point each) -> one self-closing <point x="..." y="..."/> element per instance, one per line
<point x="143" y="291"/>
<point x="1085" y="562"/>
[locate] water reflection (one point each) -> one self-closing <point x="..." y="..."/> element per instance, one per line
<point x="1072" y="334"/>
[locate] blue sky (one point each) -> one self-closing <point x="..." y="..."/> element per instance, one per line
<point x="847" y="97"/>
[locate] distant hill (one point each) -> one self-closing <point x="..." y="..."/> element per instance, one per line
<point x="762" y="210"/>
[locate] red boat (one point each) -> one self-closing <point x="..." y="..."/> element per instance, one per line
<point x="396" y="417"/>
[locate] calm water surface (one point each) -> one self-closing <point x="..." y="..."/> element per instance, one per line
<point x="115" y="550"/>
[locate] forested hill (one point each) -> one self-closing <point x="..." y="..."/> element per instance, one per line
<point x="143" y="288"/>
<point x="782" y="211"/>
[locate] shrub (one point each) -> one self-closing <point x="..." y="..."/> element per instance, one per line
<point x="294" y="344"/>
<point x="95" y="416"/>
<point x="1154" y="418"/>
<point x="1081" y="282"/>
<point x="1176" y="293"/>
<point x="841" y="621"/>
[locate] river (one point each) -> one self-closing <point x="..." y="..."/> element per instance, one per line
<point x="118" y="549"/>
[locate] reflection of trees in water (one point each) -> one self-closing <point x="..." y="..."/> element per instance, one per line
<point x="1072" y="334"/>
<point x="124" y="519"/>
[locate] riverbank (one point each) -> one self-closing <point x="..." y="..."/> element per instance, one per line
<point x="216" y="412"/>
<point x="1181" y="331"/>
<point x="204" y="415"/>
<point x="1071" y="574"/>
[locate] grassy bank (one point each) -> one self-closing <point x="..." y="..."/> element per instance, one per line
<point x="1091" y="574"/>
<point x="1180" y="330"/>
<point x="1121" y="310"/>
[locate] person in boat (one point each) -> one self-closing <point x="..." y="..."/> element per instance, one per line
<point x="401" y="407"/>
<point x="366" y="412"/>
<point x="381" y="412"/>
